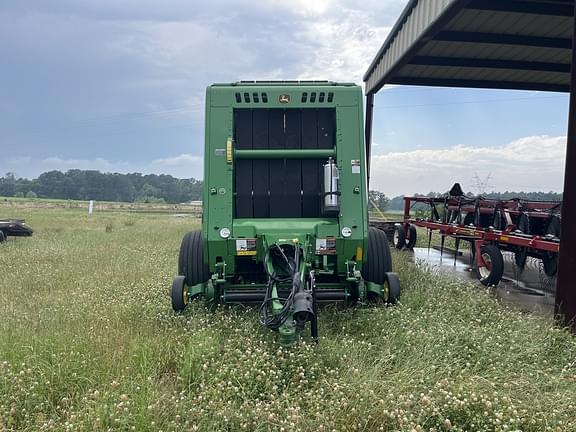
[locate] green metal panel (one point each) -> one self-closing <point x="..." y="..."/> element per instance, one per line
<point x="350" y="157"/>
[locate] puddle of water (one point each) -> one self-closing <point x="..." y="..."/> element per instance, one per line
<point x="529" y="289"/>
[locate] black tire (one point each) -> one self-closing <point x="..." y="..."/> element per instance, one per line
<point x="521" y="252"/>
<point x="179" y="294"/>
<point x="412" y="237"/>
<point x="2" y="237"/>
<point x="378" y="260"/>
<point x="399" y="240"/>
<point x="550" y="259"/>
<point x="404" y="239"/>
<point x="393" y="293"/>
<point x="492" y="273"/>
<point x="191" y="259"/>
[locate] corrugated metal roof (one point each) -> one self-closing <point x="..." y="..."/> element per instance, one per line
<point x="524" y="44"/>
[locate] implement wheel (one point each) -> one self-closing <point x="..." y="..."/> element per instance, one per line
<point x="2" y="237"/>
<point x="493" y="269"/>
<point x="191" y="259"/>
<point x="179" y="294"/>
<point x="378" y="260"/>
<point x="405" y="238"/>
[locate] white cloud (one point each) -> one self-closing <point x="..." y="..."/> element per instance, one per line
<point x="531" y="164"/>
<point x="181" y="166"/>
<point x="342" y="47"/>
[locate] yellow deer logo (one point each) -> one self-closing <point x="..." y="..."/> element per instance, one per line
<point x="284" y="98"/>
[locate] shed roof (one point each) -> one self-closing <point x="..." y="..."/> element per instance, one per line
<point x="513" y="44"/>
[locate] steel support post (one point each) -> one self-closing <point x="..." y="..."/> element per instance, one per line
<point x="368" y="131"/>
<point x="566" y="287"/>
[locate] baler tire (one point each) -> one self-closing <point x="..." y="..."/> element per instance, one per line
<point x="378" y="260"/>
<point x="496" y="270"/>
<point x="179" y="294"/>
<point x="393" y="288"/>
<point x="412" y="237"/>
<point x="191" y="259"/>
<point x="2" y="237"/>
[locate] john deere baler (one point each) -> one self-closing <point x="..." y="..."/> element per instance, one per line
<point x="285" y="213"/>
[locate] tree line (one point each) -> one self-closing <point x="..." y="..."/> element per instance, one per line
<point x="94" y="185"/>
<point x="90" y="184"/>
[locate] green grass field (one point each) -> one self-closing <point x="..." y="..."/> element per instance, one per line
<point x="88" y="342"/>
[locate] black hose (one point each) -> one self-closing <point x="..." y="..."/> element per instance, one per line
<point x="275" y="320"/>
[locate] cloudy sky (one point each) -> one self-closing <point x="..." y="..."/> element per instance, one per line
<point x="118" y="85"/>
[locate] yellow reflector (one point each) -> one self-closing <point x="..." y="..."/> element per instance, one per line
<point x="359" y="254"/>
<point x="229" y="150"/>
<point x="246" y="253"/>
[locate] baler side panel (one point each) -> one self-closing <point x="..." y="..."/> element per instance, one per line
<point x="353" y="209"/>
<point x="218" y="185"/>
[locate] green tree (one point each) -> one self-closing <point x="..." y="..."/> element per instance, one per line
<point x="378" y="199"/>
<point x="8" y="184"/>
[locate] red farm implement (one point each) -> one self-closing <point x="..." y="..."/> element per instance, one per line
<point x="526" y="228"/>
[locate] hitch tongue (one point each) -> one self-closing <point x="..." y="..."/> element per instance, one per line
<point x="303" y="304"/>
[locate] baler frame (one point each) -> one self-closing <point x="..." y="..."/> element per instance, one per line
<point x="285" y="177"/>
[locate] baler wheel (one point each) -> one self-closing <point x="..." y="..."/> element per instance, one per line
<point x="493" y="270"/>
<point x="2" y="236"/>
<point x="179" y="294"/>
<point x="392" y="288"/>
<point x="191" y="259"/>
<point x="378" y="260"/>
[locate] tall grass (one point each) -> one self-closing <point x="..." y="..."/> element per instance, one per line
<point x="88" y="341"/>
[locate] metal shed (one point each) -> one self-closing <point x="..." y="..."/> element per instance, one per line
<point x="500" y="44"/>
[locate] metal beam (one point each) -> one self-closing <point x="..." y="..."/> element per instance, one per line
<point x="490" y="64"/>
<point x="368" y="131"/>
<point x="565" y="288"/>
<point x="490" y="84"/>
<point x="270" y="154"/>
<point x="564" y="9"/>
<point x="503" y="39"/>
